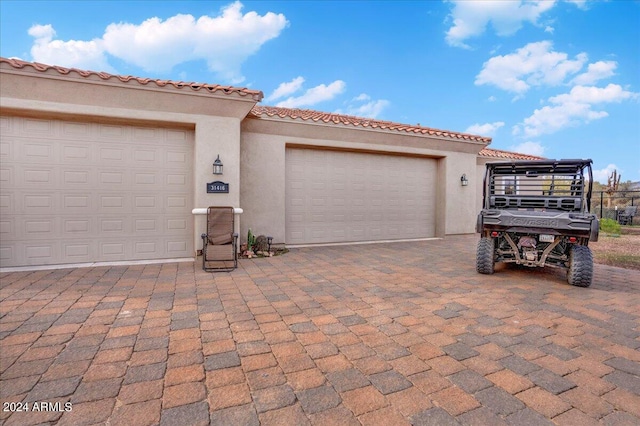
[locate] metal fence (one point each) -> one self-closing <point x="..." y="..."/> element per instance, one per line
<point x="611" y="207"/>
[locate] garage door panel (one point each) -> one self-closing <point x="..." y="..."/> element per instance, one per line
<point x="147" y="203"/>
<point x="7" y="175"/>
<point x="7" y="255"/>
<point x="112" y="132"/>
<point x="176" y="179"/>
<point x="340" y="197"/>
<point x="78" y="251"/>
<point x="39" y="203"/>
<point x="176" y="135"/>
<point x="144" y="180"/>
<point x="113" y="250"/>
<point x="146" y="226"/>
<point x="34" y="228"/>
<point x="78" y="178"/>
<point x="113" y="226"/>
<point x="7" y="227"/>
<point x="83" y="192"/>
<point x="78" y="203"/>
<point x="79" y="227"/>
<point x="77" y="154"/>
<point x="175" y="203"/>
<point x="112" y="155"/>
<point x="146" y="158"/>
<point x="38" y="153"/>
<point x="176" y="225"/>
<point x="112" y="179"/>
<point x="75" y="130"/>
<point x="41" y="252"/>
<point x="177" y="248"/>
<point x="177" y="159"/>
<point x="145" y="248"/>
<point x="114" y="202"/>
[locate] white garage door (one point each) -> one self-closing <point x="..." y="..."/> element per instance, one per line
<point x="83" y="192"/>
<point x="336" y="196"/>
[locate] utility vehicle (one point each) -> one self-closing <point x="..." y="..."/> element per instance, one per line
<point x="537" y="213"/>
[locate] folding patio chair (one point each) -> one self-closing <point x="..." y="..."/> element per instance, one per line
<point x="220" y="243"/>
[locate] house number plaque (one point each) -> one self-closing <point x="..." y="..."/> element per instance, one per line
<point x="217" y="187"/>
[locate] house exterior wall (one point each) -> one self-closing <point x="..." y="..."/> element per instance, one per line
<point x="215" y="118"/>
<point x="461" y="200"/>
<point x="262" y="173"/>
<point x="263" y="146"/>
<point x="252" y="149"/>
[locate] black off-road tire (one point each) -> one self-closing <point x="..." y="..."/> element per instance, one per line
<point x="580" y="271"/>
<point x="485" y="259"/>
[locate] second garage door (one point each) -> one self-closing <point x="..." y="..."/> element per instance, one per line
<point x="334" y="196"/>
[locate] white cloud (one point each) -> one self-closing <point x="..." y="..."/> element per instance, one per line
<point x="535" y="64"/>
<point x="596" y="71"/>
<point x="88" y="55"/>
<point x="594" y="95"/>
<point x="371" y="109"/>
<point x="315" y="95"/>
<point x="531" y="148"/>
<point x="363" y="106"/>
<point x="286" y="89"/>
<point x="580" y="4"/>
<point x="602" y="175"/>
<point x="492" y="98"/>
<point x="487" y="129"/>
<point x="224" y="42"/>
<point x="549" y="29"/>
<point x="470" y="18"/>
<point x="572" y="109"/>
<point x="362" y="97"/>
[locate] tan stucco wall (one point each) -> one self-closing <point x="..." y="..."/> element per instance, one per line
<point x="215" y="119"/>
<point x="262" y="173"/>
<point x="263" y="146"/>
<point x="461" y="200"/>
<point x="252" y="150"/>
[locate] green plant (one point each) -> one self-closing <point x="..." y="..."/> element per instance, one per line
<point x="610" y="226"/>
<point x="251" y="240"/>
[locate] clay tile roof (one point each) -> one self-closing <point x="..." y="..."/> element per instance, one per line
<point x="256" y="95"/>
<point x="507" y="155"/>
<point x="259" y="111"/>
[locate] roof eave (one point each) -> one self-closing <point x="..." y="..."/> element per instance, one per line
<point x="418" y="132"/>
<point x="18" y="67"/>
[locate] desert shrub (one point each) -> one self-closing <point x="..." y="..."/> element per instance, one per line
<point x="609" y="226"/>
<point x="261" y="244"/>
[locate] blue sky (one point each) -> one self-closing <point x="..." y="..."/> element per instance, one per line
<point x="559" y="79"/>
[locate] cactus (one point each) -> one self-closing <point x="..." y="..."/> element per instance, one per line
<point x="251" y="240"/>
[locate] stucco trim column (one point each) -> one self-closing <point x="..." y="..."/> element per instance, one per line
<point x="215" y="136"/>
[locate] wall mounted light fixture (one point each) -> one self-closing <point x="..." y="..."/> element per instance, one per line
<point x="217" y="166"/>
<point x="463" y="180"/>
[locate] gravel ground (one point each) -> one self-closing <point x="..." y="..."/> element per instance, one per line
<point x="622" y="251"/>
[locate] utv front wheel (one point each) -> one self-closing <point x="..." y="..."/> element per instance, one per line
<point x="580" y="271"/>
<point x="484" y="256"/>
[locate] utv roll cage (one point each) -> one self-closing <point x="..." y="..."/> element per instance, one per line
<point x="558" y="185"/>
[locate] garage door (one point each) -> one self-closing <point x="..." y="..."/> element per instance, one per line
<point x="334" y="196"/>
<point x="84" y="192"/>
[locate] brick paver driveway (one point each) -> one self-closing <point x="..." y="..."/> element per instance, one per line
<point x="391" y="334"/>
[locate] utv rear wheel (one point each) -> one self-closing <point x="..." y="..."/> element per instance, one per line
<point x="580" y="271"/>
<point x="485" y="256"/>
